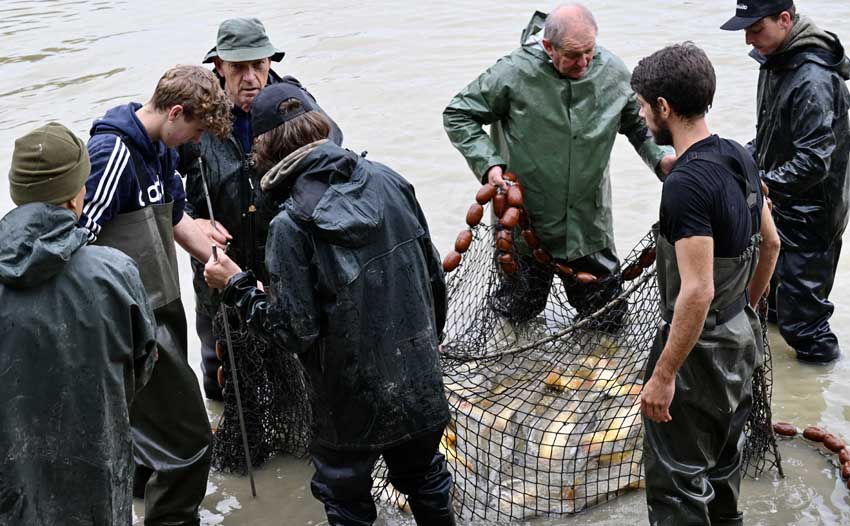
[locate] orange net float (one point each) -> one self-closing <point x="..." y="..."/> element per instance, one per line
<point x="499" y="204"/>
<point x="474" y="215"/>
<point x="531" y="239"/>
<point x="451" y="261"/>
<point x="504" y="240"/>
<point x="510" y="218"/>
<point x="815" y="434"/>
<point x="219" y="352"/>
<point x="464" y="239"/>
<point x="632" y="272"/>
<point x="221" y="376"/>
<point x="514" y="196"/>
<point x="542" y="256"/>
<point x="647" y="257"/>
<point x="485" y="194"/>
<point x="818" y="435"/>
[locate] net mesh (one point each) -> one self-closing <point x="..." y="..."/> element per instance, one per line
<point x="275" y="402"/>
<point x="545" y="396"/>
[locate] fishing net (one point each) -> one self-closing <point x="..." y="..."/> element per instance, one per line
<point x="275" y="402"/>
<point x="544" y="388"/>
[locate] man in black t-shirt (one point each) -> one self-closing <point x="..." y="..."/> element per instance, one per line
<point x="713" y="225"/>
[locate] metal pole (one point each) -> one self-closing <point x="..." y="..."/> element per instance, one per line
<point x="233" y="374"/>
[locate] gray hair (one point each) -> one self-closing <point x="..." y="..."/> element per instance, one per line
<point x="565" y="20"/>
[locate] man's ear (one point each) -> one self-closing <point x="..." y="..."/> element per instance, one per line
<point x="218" y="66"/>
<point x="664" y="109"/>
<point x="175" y="112"/>
<point x="547" y="46"/>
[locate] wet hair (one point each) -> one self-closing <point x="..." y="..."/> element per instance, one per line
<point x="200" y="95"/>
<point x="682" y="74"/>
<point x="559" y="26"/>
<point x="791" y="11"/>
<point x="273" y="146"/>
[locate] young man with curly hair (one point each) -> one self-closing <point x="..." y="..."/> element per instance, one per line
<point x="134" y="202"/>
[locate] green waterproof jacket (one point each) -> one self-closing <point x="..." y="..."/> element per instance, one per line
<point x="556" y="135"/>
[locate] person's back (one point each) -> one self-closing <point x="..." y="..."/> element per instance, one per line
<point x="77" y="345"/>
<point x="356" y="288"/>
<point x="360" y="222"/>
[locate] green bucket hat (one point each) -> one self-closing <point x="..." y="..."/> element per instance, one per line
<point x="242" y="40"/>
<point x="49" y="165"/>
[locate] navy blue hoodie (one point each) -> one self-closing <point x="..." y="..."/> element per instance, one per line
<point x="114" y="186"/>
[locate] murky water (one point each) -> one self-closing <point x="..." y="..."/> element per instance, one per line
<point x="385" y="70"/>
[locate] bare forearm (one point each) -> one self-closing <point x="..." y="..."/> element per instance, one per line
<point x="688" y="320"/>
<point x="188" y="235"/>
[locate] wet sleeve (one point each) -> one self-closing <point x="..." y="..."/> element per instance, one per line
<point x="634" y="128"/>
<point x="111" y="181"/>
<point x="287" y="315"/>
<point x="685" y="209"/>
<point x="812" y="136"/>
<point x="485" y="100"/>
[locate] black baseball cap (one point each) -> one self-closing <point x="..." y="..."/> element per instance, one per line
<point x="265" y="109"/>
<point x="749" y="12"/>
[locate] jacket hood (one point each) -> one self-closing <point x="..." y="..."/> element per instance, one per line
<point x="336" y="196"/>
<point x="36" y="241"/>
<point x="123" y="120"/>
<point x="809" y="43"/>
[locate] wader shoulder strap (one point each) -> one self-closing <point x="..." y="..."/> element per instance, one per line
<point x="746" y="176"/>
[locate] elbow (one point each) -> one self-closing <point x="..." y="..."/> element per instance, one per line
<point x="772" y="244"/>
<point x="701" y="294"/>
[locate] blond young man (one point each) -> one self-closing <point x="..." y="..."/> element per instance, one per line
<point x="134" y="202"/>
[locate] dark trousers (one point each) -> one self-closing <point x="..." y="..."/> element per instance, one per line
<point x="522" y="296"/>
<point x="800" y="291"/>
<point x="693" y="463"/>
<point x="171" y="431"/>
<point x="209" y="360"/>
<point x="343" y="482"/>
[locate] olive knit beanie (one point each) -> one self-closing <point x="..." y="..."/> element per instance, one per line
<point x="49" y="165"/>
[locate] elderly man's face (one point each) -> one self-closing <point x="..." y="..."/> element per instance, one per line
<point x="243" y="80"/>
<point x="573" y="56"/>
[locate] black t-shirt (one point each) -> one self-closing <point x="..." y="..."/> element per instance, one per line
<point x="702" y="198"/>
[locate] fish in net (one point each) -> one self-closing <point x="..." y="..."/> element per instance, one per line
<point x="275" y="399"/>
<point x="545" y="396"/>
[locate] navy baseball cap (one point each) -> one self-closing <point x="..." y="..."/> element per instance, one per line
<point x="265" y="109"/>
<point x="749" y="12"/>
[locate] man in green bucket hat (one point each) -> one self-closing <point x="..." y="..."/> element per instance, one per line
<point x="242" y="58"/>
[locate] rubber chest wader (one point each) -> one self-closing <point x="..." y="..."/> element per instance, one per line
<point x="171" y="432"/>
<point x="693" y="463"/>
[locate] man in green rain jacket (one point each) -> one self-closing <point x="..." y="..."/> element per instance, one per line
<point x="555" y="105"/>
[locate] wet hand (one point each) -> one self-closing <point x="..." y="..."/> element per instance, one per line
<point x="667" y="163"/>
<point x="217" y="274"/>
<point x="218" y="234"/>
<point x="494" y="177"/>
<point x="656" y="397"/>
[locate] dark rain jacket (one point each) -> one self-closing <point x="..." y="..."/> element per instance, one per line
<point x="556" y="134"/>
<point x="803" y="137"/>
<point x="234" y="187"/>
<point x="358" y="290"/>
<point x="77" y="345"/>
